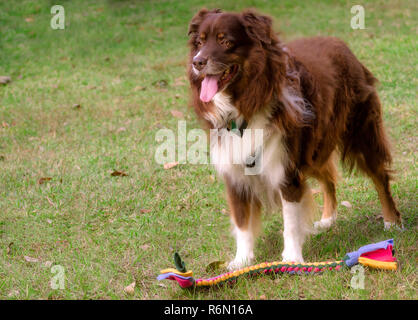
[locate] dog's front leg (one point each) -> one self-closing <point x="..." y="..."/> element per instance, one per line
<point x="245" y="211"/>
<point x="297" y="220"/>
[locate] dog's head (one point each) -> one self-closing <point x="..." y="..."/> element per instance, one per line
<point x="229" y="52"/>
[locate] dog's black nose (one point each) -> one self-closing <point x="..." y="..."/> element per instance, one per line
<point x="199" y="62"/>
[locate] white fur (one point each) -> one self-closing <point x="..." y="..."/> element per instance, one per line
<point x="197" y="54"/>
<point x="324" y="224"/>
<point x="224" y="111"/>
<point x="296" y="103"/>
<point x="245" y="240"/>
<point x="274" y="153"/>
<point x="245" y="249"/>
<point x="393" y="226"/>
<point x="196" y="72"/>
<point x="297" y="221"/>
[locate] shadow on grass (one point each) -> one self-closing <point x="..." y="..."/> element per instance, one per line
<point x="347" y="235"/>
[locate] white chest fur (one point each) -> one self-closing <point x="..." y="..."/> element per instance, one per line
<point x="229" y="151"/>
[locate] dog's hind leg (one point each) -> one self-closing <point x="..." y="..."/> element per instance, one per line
<point x="391" y="215"/>
<point x="380" y="176"/>
<point x="370" y="150"/>
<point x="327" y="177"/>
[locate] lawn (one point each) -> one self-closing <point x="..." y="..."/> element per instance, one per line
<point x="88" y="100"/>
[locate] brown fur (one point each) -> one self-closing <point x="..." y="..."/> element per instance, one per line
<point x="343" y="111"/>
<point x="242" y="205"/>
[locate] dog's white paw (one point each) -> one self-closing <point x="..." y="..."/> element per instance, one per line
<point x="323" y="224"/>
<point x="393" y="226"/>
<point x="239" y="263"/>
<point x="292" y="256"/>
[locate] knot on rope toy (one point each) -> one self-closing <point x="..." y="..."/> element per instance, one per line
<point x="377" y="255"/>
<point x="180" y="274"/>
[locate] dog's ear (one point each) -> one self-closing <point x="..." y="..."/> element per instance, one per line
<point x="258" y="27"/>
<point x="198" y="18"/>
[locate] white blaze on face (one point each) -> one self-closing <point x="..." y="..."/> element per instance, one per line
<point x="198" y="54"/>
<point x="193" y="68"/>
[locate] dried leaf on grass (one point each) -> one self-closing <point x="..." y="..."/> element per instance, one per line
<point x="9" y="247"/>
<point x="5" y="79"/>
<point x="30" y="259"/>
<point x="160" y="84"/>
<point x="145" y="246"/>
<point x="51" y="202"/>
<point x="215" y="265"/>
<point x="117" y="173"/>
<point x="13" y="293"/>
<point x="130" y="289"/>
<point x="177" y="114"/>
<point x="346" y="204"/>
<point x="48" y="264"/>
<point x="170" y="165"/>
<point x="44" y="179"/>
<point x="121" y="129"/>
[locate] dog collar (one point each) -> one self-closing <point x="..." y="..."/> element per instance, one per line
<point x="239" y="131"/>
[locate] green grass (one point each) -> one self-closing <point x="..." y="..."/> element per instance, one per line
<point x="109" y="59"/>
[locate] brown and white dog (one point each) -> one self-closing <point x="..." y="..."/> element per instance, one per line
<point x="311" y="97"/>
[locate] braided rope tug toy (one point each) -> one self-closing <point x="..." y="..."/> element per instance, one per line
<point x="377" y="255"/>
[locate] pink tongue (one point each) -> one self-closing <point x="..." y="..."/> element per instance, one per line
<point x="209" y="88"/>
